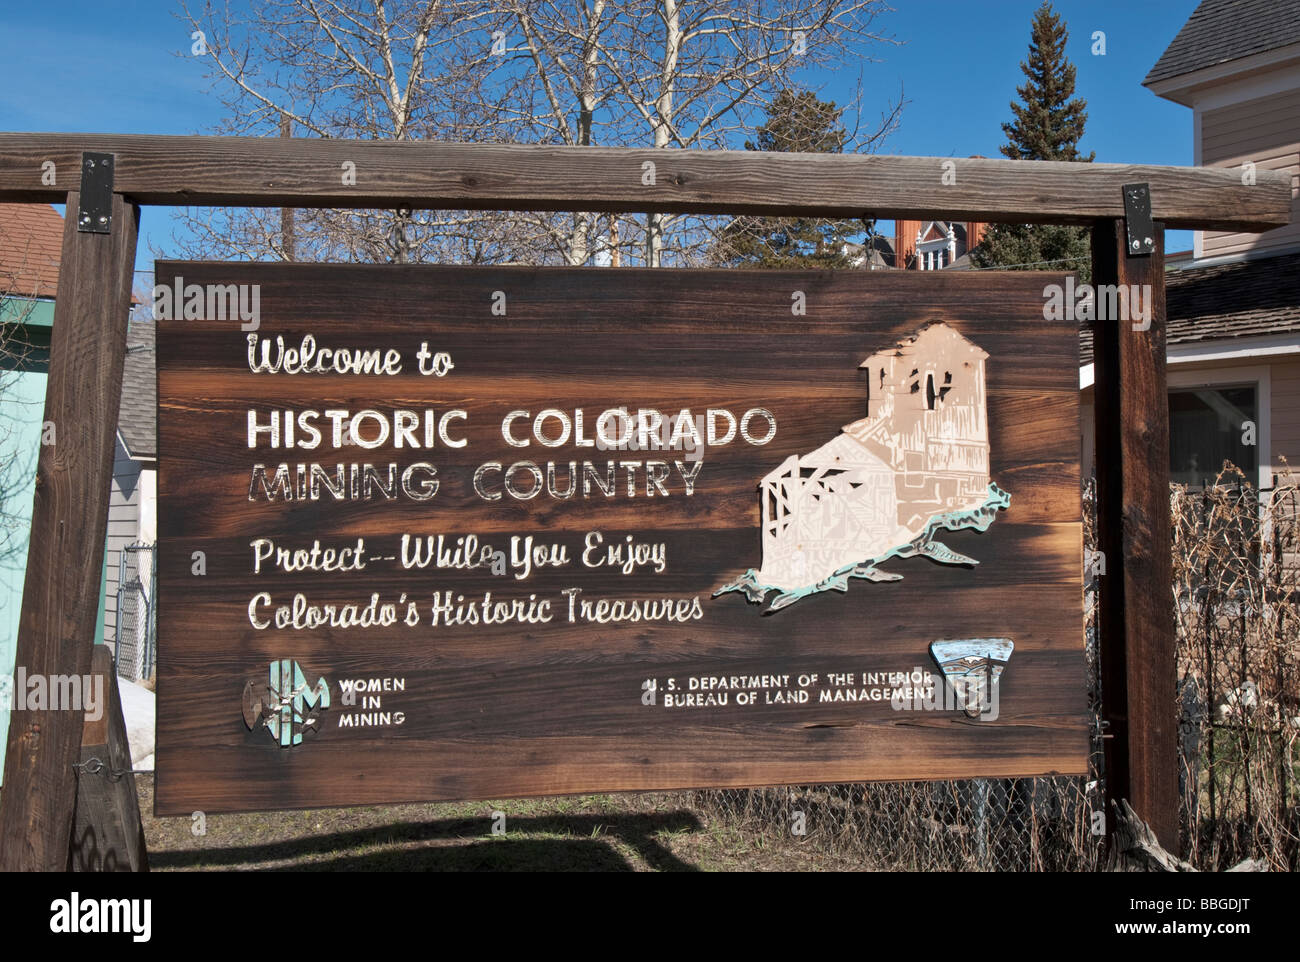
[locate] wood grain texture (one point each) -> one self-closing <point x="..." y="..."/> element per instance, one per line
<point x="282" y="172"/>
<point x="65" y="556"/>
<point x="107" y="834"/>
<point x="500" y="710"/>
<point x="1136" y="622"/>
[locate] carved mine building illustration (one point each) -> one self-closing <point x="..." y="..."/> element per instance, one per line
<point x="918" y="461"/>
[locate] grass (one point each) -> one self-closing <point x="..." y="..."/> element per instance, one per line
<point x="615" y="833"/>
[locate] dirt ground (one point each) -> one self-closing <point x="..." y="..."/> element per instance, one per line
<point x="606" y="833"/>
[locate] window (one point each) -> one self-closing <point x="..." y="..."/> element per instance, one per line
<point x="1209" y="425"/>
<point x="931" y="394"/>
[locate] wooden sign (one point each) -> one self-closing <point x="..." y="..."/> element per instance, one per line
<point x="437" y="533"/>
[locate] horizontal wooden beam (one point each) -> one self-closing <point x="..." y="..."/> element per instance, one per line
<point x="281" y="172"/>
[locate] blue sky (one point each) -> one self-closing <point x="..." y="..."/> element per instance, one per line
<point x="113" y="67"/>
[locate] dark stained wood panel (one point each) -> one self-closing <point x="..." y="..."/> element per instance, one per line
<point x="496" y="710"/>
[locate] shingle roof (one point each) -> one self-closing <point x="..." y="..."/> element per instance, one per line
<point x="31" y="240"/>
<point x="1244" y="299"/>
<point x="1223" y="30"/>
<point x="136" y="421"/>
<point x="31" y="244"/>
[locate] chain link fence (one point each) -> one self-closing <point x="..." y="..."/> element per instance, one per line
<point x="135" y="640"/>
<point x="1238" y="702"/>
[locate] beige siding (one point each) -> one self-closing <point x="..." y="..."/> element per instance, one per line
<point x="1284" y="405"/>
<point x="1267" y="132"/>
<point x="1286" y="413"/>
<point x="1284" y="416"/>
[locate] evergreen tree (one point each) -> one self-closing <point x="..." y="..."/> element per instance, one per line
<point x="1048" y="125"/>
<point x="796" y="121"/>
<point x="1049" y="119"/>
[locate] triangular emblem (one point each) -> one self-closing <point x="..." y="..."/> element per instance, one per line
<point x="973" y="667"/>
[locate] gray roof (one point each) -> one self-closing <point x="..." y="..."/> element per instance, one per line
<point x="1244" y="299"/>
<point x="1223" y="30"/>
<point x="138" y="417"/>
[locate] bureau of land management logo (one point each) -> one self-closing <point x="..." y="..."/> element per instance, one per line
<point x="285" y="704"/>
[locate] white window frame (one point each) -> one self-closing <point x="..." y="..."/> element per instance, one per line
<point x="1261" y="378"/>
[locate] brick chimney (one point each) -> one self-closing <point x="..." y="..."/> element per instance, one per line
<point x="905" y="241"/>
<point x="974" y="229"/>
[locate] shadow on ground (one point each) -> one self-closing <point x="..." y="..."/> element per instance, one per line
<point x="533" y="843"/>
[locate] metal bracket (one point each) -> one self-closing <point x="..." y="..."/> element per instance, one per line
<point x="1137" y="219"/>
<point x="95" y="203"/>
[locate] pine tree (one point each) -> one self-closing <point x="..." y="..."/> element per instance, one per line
<point x="1048" y="124"/>
<point x="1049" y="119"/>
<point x="796" y="121"/>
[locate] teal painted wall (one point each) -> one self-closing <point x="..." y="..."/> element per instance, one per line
<point x="24" y="363"/>
<point x="24" y="366"/>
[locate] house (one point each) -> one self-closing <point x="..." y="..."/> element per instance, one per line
<point x="132" y="512"/>
<point x="919" y="245"/>
<point x="31" y="238"/>
<point x="1234" y="306"/>
<point x="935" y="245"/>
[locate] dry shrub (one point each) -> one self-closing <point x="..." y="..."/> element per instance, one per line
<point x="1236" y="561"/>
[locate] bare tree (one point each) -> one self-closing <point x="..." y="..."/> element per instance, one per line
<point x="651" y="73"/>
<point x="325" y="69"/>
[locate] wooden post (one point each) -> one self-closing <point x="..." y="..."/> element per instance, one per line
<point x="65" y="558"/>
<point x="1136" y="624"/>
<point x="107" y="834"/>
